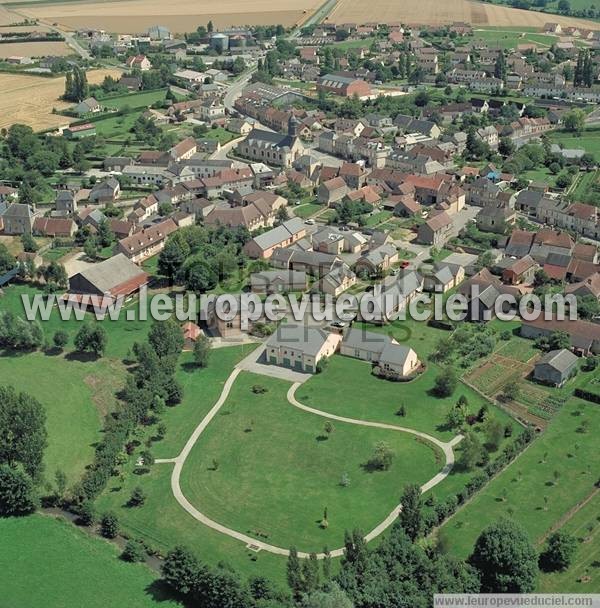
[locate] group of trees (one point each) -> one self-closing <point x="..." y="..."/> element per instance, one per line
<point x="76" y="85"/>
<point x="19" y="334"/>
<point x="584" y="74"/>
<point x="23" y="439"/>
<point x="199" y="257"/>
<point x="150" y="387"/>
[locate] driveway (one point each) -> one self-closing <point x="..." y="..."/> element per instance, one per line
<point x="253" y="364"/>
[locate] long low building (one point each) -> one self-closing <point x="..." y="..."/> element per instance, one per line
<point x="105" y="282"/>
<point x="393" y="359"/>
<point x="148" y="242"/>
<point x="584" y="336"/>
<point x="284" y="235"/>
<point x="300" y="347"/>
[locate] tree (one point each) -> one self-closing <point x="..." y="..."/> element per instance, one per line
<point x="28" y="242"/>
<point x="294" y="576"/>
<point x="494" y="433"/>
<point x="382" y="457"/>
<point x="500" y="67"/>
<point x="331" y="596"/>
<point x="7" y="261"/>
<point x="411" y="515"/>
<point x="506" y="146"/>
<point x="209" y="27"/>
<point x="559" y="340"/>
<point x="109" y="525"/>
<point x="505" y="559"/>
<point x="86" y="513"/>
<point x="173" y="256"/>
<point x="574" y="120"/>
<point x="23" y="436"/>
<point x="105" y="235"/>
<point x="166" y="338"/>
<point x="91" y="338"/>
<point x="471" y="452"/>
<point x="455" y="417"/>
<point x="180" y="570"/>
<point x="133" y="551"/>
<point x="138" y="497"/>
<point x="559" y="553"/>
<point x="60" y="339"/>
<point x="17" y="492"/>
<point x="202" y="351"/>
<point x="445" y="382"/>
<point x="90" y="248"/>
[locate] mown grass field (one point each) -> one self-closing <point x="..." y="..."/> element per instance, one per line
<point x="367" y="397"/>
<point x="48" y="562"/>
<point x="589" y="140"/>
<point x="584" y="574"/>
<point x="509" y="39"/>
<point x="548" y="479"/>
<point x="278" y="469"/>
<point x="75" y="394"/>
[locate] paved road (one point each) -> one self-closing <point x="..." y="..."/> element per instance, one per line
<point x="235" y="90"/>
<point x="179" y="461"/>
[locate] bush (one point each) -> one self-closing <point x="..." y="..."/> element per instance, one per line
<point x="86" y="514"/>
<point x="133" y="551"/>
<point x="109" y="525"/>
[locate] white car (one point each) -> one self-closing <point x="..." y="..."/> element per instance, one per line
<point x="310" y="222"/>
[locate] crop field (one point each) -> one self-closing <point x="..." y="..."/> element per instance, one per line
<point x="34" y="49"/>
<point x="433" y="12"/>
<point x="179" y="15"/>
<point x="30" y="99"/>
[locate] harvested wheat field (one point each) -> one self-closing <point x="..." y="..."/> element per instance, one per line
<point x="29" y="99"/>
<point x="179" y="15"/>
<point x="440" y="12"/>
<point x="34" y="49"/>
<point x="7" y="17"/>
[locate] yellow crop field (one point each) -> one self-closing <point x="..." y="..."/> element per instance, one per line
<point x="30" y="99"/>
<point x="178" y="15"/>
<point x="440" y="12"/>
<point x="34" y="49"/>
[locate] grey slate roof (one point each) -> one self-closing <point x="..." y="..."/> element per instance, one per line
<point x="308" y="340"/>
<point x="112" y="272"/>
<point x="280" y="233"/>
<point x="562" y="360"/>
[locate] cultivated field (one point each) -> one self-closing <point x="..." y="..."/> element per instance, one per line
<point x="34" y="49"/>
<point x="30" y="99"/>
<point x="434" y="12"/>
<point x="179" y="15"/>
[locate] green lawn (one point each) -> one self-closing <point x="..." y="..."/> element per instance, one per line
<point x="142" y="99"/>
<point x="370" y="398"/>
<point x="76" y="396"/>
<point x="48" y="562"/>
<point x="589" y="140"/>
<point x="584" y="526"/>
<point x="507" y="39"/>
<point x="307" y="209"/>
<point x="220" y="134"/>
<point x="161" y="522"/>
<point x="121" y="333"/>
<point x="201" y="389"/>
<point x="519" y="490"/>
<point x="378" y="218"/>
<point x="56" y="253"/>
<point x="278" y="470"/>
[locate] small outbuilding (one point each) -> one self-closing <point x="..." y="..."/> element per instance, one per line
<point x="556" y="367"/>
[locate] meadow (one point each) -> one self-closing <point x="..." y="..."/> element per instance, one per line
<point x="546" y="481"/>
<point x="37" y="569"/>
<point x="285" y="469"/>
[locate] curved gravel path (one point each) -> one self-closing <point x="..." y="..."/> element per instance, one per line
<point x="179" y="461"/>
